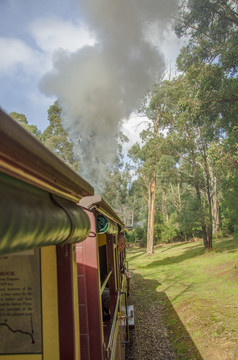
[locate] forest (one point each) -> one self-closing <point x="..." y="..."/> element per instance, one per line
<point x="180" y="181"/>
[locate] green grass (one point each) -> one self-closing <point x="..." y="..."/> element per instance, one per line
<point x="202" y="288"/>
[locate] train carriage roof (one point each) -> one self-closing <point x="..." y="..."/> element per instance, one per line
<point x="25" y="158"/>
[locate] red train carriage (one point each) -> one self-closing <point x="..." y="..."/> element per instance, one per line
<point x="62" y="292"/>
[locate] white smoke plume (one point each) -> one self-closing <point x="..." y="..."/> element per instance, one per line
<point x="99" y="86"/>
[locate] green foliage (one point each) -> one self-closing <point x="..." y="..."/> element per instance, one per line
<point x="21" y="119"/>
<point x="140" y="235"/>
<point x="137" y="236"/>
<point x="196" y="161"/>
<point x="56" y="138"/>
<point x="118" y="182"/>
<point x="210" y="59"/>
<point x="188" y="218"/>
<point x="130" y="237"/>
<point x="137" y="200"/>
<point x="212" y="27"/>
<point x="230" y="196"/>
<point x="167" y="232"/>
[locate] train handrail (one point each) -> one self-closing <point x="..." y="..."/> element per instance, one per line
<point x="114" y="344"/>
<point x="109" y="346"/>
<point x="126" y="317"/>
<point x="105" y="282"/>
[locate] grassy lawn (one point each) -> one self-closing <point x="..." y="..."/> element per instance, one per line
<point x="202" y="288"/>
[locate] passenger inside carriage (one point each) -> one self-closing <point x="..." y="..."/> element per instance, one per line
<point x="106" y="304"/>
<point x="105" y="296"/>
<point x="121" y="247"/>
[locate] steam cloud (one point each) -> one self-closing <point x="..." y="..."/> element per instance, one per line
<point x="99" y="86"/>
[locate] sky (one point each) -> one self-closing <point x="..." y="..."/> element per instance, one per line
<point x="98" y="58"/>
<point x="30" y="33"/>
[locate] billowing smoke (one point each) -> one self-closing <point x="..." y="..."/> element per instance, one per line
<point x="99" y="86"/>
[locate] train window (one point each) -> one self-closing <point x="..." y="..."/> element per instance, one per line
<point x="118" y="273"/>
<point x="104" y="279"/>
<point x="103" y="262"/>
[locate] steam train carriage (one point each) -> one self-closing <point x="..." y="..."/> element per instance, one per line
<point x="59" y="256"/>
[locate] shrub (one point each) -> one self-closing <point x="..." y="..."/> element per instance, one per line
<point x="130" y="236"/>
<point x="140" y="234"/>
<point x="167" y="232"/>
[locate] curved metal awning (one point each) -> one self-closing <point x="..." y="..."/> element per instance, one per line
<point x="105" y="225"/>
<point x="107" y="221"/>
<point x="31" y="217"/>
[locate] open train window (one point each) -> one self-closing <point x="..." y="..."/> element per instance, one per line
<point x="105" y="290"/>
<point x="103" y="262"/>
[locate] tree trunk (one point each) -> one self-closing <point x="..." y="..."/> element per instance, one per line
<point x="152" y="190"/>
<point x="151" y="214"/>
<point x="179" y="197"/>
<point x="215" y="205"/>
<point x="198" y="194"/>
<point x="203" y="223"/>
<point x="164" y="206"/>
<point x="207" y="179"/>
<point x="132" y="216"/>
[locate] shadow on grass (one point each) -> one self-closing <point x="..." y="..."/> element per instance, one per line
<point x="168" y="337"/>
<point x="169" y="247"/>
<point x="136" y="255"/>
<point x="223" y="245"/>
<point x="188" y="254"/>
<point x="182" y="342"/>
<point x="220" y="246"/>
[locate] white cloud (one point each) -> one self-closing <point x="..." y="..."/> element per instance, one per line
<point x="50" y="34"/>
<point x="171" y="45"/>
<point x="22" y="63"/>
<point x="53" y="33"/>
<point x="36" y="98"/>
<point x="15" y="52"/>
<point x="132" y="129"/>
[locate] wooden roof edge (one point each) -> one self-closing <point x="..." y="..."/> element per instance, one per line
<point x="25" y="157"/>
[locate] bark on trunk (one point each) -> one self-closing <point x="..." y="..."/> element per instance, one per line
<point x="215" y="204"/>
<point x="152" y="190"/>
<point x="203" y="223"/>
<point x="207" y="179"/>
<point x="151" y="213"/>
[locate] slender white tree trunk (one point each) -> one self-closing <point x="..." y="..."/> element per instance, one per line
<point x="215" y="204"/>
<point x="164" y="204"/>
<point x="151" y="215"/>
